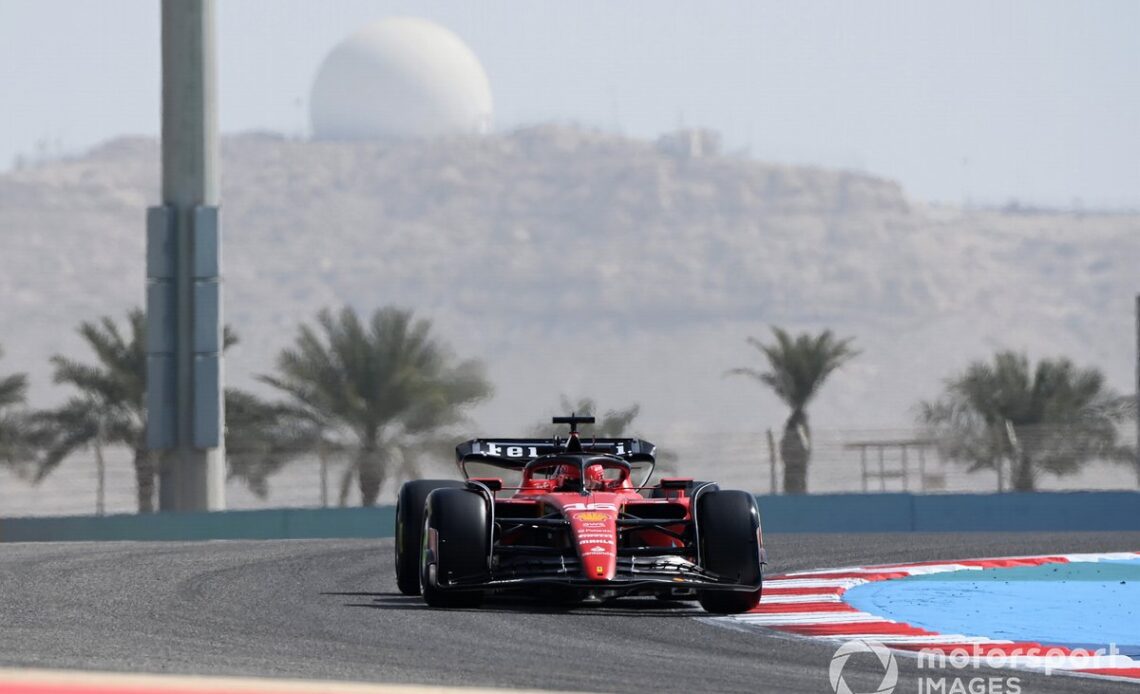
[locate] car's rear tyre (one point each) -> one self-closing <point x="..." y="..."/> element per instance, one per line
<point x="456" y="543"/>
<point x="729" y="526"/>
<point x="409" y="530"/>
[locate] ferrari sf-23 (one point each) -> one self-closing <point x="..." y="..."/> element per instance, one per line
<point x="578" y="526"/>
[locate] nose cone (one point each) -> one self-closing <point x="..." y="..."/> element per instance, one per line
<point x="595" y="531"/>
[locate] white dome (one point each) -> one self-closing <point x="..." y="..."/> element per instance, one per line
<point x="401" y="78"/>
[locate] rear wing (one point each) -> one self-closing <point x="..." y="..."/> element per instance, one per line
<point x="516" y="453"/>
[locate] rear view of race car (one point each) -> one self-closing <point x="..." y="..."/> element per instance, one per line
<point x="577" y="525"/>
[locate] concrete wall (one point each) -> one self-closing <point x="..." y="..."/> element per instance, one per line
<point x="1041" y="511"/>
<point x="269" y="524"/>
<point x="815" y="513"/>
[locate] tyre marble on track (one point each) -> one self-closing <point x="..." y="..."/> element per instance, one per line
<point x="323" y="609"/>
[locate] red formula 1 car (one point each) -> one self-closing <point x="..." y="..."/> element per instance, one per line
<point x="578" y="525"/>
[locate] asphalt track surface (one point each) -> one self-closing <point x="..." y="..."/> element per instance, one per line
<point x="321" y="609"/>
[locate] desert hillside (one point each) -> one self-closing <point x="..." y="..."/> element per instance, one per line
<point x="584" y="263"/>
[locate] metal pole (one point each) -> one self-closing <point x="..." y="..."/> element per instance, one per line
<point x="863" y="464"/>
<point x="905" y="463"/>
<point x="192" y="472"/>
<point x="773" y="486"/>
<point x="324" y="460"/>
<point x="1138" y="390"/>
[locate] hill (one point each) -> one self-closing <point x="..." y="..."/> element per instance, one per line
<point x="585" y="263"/>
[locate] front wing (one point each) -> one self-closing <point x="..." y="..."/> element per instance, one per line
<point x="633" y="573"/>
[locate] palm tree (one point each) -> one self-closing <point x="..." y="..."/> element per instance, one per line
<point x="383" y="389"/>
<point x="109" y="406"/>
<point x="797" y="369"/>
<point x="262" y="437"/>
<point x="14" y="440"/>
<point x="1051" y="418"/>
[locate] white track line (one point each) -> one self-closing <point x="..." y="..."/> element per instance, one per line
<point x="155" y="684"/>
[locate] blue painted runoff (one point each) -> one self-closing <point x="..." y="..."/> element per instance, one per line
<point x="1081" y="604"/>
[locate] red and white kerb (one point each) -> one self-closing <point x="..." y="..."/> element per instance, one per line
<point x="810" y="604"/>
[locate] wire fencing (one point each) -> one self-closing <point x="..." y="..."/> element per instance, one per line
<point x="841" y="461"/>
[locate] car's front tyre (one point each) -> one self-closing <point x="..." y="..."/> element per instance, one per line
<point x="409" y="530"/>
<point x="455" y="546"/>
<point x="729" y="526"/>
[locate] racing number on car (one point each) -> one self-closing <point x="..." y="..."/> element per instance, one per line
<point x="590" y="507"/>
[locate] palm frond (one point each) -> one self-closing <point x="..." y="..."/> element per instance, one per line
<point x="13" y="390"/>
<point x="263" y="437"/>
<point x="745" y="371"/>
<point x="385" y="381"/>
<point x="1062" y="416"/>
<point x="798" y="365"/>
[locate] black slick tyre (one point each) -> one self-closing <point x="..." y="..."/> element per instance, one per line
<point x="409" y="530"/>
<point x="729" y="524"/>
<point x="457" y="541"/>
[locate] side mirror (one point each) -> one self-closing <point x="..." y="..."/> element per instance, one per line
<point x="495" y="484"/>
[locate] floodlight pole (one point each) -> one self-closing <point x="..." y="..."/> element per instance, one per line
<point x="185" y="378"/>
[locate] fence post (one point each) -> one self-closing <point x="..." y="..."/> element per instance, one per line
<point x="905" y="463"/>
<point x="882" y="471"/>
<point x="322" y="456"/>
<point x="773" y="487"/>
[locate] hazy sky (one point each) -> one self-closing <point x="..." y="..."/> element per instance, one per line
<point x="979" y="101"/>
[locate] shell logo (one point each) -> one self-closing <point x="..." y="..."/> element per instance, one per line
<point x="590" y="516"/>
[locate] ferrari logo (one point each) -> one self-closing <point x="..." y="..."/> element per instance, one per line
<point x="590" y="516"/>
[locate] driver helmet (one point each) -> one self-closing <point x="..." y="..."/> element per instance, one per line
<point x="595" y="478"/>
<point x="565" y="476"/>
